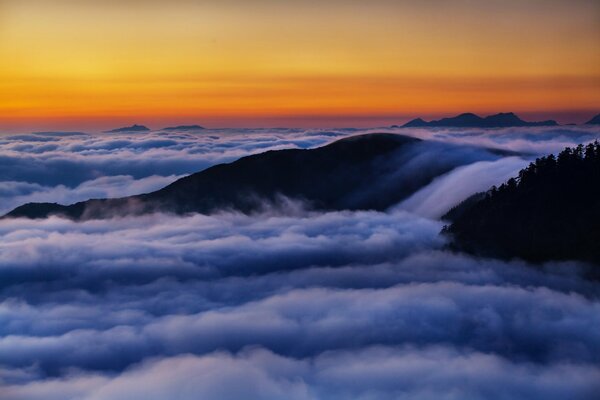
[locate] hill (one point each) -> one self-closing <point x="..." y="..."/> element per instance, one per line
<point x="551" y="211"/>
<point x="359" y="172"/>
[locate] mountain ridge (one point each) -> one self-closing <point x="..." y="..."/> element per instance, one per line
<point x="470" y="120"/>
<point x="363" y="172"/>
<point x="244" y="185"/>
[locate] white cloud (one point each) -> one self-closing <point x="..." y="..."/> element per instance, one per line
<point x="335" y="305"/>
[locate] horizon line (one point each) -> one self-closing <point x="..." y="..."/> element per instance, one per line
<point x="367" y="121"/>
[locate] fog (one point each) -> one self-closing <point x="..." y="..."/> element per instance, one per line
<point x="288" y="303"/>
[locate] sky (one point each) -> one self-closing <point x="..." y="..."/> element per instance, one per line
<point x="94" y="65"/>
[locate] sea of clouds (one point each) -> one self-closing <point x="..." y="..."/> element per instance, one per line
<point x="286" y="304"/>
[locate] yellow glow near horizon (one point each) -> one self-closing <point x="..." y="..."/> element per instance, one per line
<point x="92" y="62"/>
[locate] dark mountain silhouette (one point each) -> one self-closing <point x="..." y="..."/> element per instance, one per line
<point x="132" y="128"/>
<point x="184" y="128"/>
<point x="469" y="120"/>
<point x="594" y="121"/>
<point x="462" y="120"/>
<point x="551" y="211"/>
<point x="359" y="172"/>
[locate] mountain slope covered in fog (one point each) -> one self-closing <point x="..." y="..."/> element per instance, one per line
<point x="373" y="171"/>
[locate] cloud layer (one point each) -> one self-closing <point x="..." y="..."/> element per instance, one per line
<point x="66" y="166"/>
<point x="295" y="305"/>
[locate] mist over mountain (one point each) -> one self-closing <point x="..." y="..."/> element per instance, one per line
<point x="551" y="211"/>
<point x="369" y="172"/>
<point x="470" y="120"/>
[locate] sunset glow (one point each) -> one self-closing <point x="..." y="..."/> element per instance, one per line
<point x="94" y="64"/>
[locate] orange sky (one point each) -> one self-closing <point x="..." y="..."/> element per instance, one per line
<point x="96" y="64"/>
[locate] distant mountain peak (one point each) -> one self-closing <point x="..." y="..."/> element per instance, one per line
<point x="504" y="119"/>
<point x="470" y="120"/>
<point x="504" y="115"/>
<point x="132" y="128"/>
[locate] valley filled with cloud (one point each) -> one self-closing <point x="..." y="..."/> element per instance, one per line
<point x="288" y="302"/>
